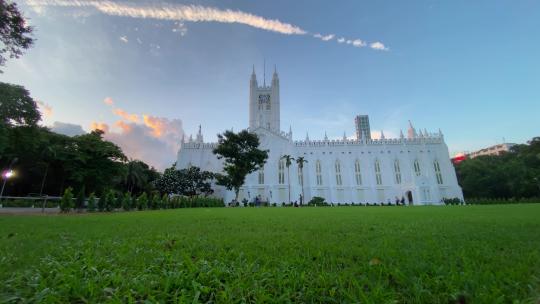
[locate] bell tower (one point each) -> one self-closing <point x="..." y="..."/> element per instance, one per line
<point x="264" y="108"/>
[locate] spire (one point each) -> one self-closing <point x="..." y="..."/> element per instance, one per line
<point x="325" y="136"/>
<point x="290" y="132"/>
<point x="253" y="76"/>
<point x="183" y="140"/>
<point x="401" y="134"/>
<point x="191" y="138"/>
<point x="199" y="135"/>
<point x="264" y="73"/>
<point x="411" y="133"/>
<point x="382" y="135"/>
<point x="344" y="136"/>
<point x="307" y="136"/>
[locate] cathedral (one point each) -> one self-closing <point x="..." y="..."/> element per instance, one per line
<point x="415" y="168"/>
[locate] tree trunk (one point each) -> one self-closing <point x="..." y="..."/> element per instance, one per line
<point x="43" y="180"/>
<point x="289" y="183"/>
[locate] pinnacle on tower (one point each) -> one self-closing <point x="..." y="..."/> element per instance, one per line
<point x="382" y="135"/>
<point x="411" y="133"/>
<point x="307" y="136"/>
<point x="401" y="134"/>
<point x="325" y="136"/>
<point x="344" y="136"/>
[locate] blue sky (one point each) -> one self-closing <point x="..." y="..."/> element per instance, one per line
<point x="469" y="68"/>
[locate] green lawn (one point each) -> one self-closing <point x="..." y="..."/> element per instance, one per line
<point x="472" y="254"/>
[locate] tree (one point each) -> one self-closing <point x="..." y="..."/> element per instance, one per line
<point x="138" y="176"/>
<point x="126" y="201"/>
<point x="91" y="202"/>
<point x="17" y="108"/>
<point x="80" y="199"/>
<point x="190" y="181"/>
<point x="15" y="33"/>
<point x="288" y="161"/>
<point x="66" y="203"/>
<point x="300" y="162"/>
<point x="241" y="157"/>
<point x="109" y="200"/>
<point x="142" y="201"/>
<point x="102" y="202"/>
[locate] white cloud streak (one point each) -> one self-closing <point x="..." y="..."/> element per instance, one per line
<point x="195" y="13"/>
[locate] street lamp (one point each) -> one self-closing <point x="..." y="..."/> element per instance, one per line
<point x="6" y="175"/>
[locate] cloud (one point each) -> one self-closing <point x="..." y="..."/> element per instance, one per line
<point x="67" y="128"/>
<point x="192" y="13"/>
<point x="180" y="29"/>
<point x="378" y="46"/>
<point x="124" y="39"/>
<point x="125" y="115"/>
<point x="356" y="42"/>
<point x="157" y="144"/>
<point x="324" y="38"/>
<point x="108" y="101"/>
<point x="45" y="109"/>
<point x="152" y="139"/>
<point x="99" y="126"/>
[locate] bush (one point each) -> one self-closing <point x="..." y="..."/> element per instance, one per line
<point x="91" y="203"/>
<point x="101" y="202"/>
<point x="317" y="201"/>
<point x="142" y="201"/>
<point x="118" y="202"/>
<point x="109" y="201"/>
<point x="66" y="203"/>
<point x="80" y="199"/>
<point x="126" y="201"/>
<point x="164" y="201"/>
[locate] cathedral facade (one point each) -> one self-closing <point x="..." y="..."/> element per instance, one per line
<point x="415" y="167"/>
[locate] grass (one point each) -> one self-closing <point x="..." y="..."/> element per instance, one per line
<point x="452" y="254"/>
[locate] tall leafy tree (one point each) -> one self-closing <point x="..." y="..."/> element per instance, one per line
<point x="190" y="181"/>
<point x="241" y="155"/>
<point x="17" y="108"/>
<point x="15" y="33"/>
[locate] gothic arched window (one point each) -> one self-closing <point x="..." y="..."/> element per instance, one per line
<point x="378" y="176"/>
<point x="417" y="168"/>
<point x="339" y="181"/>
<point x="318" y="172"/>
<point x="438" y="173"/>
<point x="357" y="173"/>
<point x="397" y="171"/>
<point x="281" y="172"/>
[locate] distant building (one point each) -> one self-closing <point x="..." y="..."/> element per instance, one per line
<point x="493" y="150"/>
<point x="416" y="167"/>
<point x="363" y="130"/>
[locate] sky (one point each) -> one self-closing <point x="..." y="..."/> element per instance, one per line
<point x="147" y="72"/>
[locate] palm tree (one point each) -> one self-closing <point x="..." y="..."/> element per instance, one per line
<point x="300" y="162"/>
<point x="135" y="175"/>
<point x="288" y="161"/>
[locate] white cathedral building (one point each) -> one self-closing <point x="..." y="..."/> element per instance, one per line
<point x="362" y="170"/>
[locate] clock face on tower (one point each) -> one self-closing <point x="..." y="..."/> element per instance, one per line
<point x="264" y="98"/>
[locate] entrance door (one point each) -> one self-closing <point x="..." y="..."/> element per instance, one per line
<point x="409" y="197"/>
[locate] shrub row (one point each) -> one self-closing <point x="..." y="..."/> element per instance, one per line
<point x="495" y="201"/>
<point x="111" y="200"/>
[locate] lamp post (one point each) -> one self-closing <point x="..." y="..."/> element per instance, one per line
<point x="6" y="175"/>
